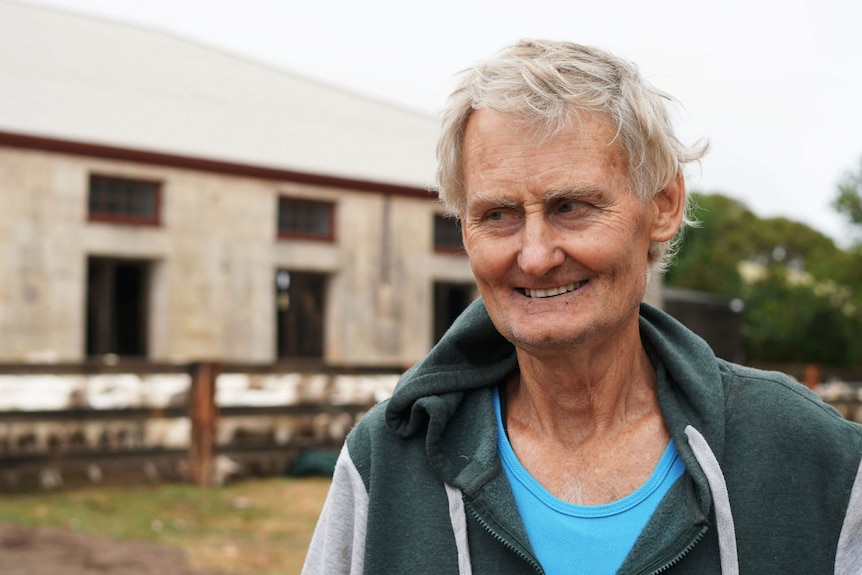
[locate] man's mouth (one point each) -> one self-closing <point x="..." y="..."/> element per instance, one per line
<point x="550" y="292"/>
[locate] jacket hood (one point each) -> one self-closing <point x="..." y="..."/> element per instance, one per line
<point x="472" y="355"/>
<point x="690" y="382"/>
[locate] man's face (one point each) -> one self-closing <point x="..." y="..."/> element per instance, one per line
<point x="557" y="242"/>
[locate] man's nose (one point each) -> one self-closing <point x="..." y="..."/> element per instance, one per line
<point x="540" y="248"/>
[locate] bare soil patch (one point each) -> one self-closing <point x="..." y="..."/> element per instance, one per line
<point x="41" y="551"/>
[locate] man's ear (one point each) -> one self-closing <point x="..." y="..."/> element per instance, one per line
<point x="669" y="206"/>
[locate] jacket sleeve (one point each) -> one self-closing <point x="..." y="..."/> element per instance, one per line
<point x="338" y="544"/>
<point x="848" y="557"/>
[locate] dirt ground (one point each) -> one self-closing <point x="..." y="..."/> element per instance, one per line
<point x="33" y="551"/>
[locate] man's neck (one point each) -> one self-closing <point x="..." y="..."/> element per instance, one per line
<point x="576" y="401"/>
<point x="588" y="428"/>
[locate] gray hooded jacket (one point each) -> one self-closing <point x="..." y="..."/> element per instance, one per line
<point x="773" y="483"/>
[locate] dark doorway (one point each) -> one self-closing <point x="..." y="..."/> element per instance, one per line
<point x="117" y="307"/>
<point x="300" y="313"/>
<point x="449" y="301"/>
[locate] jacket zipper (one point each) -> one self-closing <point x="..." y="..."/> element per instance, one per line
<point x="538" y="568"/>
<point x="506" y="544"/>
<point x="682" y="553"/>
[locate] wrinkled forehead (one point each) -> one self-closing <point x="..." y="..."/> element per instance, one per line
<point x="584" y="132"/>
<point x="502" y="157"/>
<point x="541" y="126"/>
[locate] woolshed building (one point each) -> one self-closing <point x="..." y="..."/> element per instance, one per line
<point x="169" y="201"/>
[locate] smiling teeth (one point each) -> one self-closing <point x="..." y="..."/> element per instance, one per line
<point x="552" y="291"/>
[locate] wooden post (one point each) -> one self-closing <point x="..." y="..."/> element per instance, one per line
<point x="203" y="413"/>
<point x="812" y="376"/>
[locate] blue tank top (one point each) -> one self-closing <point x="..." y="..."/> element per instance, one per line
<point x="577" y="539"/>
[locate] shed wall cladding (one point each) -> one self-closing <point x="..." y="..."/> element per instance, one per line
<point x="199" y="280"/>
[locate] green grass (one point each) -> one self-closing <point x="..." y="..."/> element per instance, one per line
<point x="257" y="527"/>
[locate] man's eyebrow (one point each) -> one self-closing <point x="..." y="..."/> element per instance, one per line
<point x="483" y="199"/>
<point x="486" y="198"/>
<point x="574" y="192"/>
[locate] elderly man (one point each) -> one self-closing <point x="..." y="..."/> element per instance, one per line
<point x="562" y="426"/>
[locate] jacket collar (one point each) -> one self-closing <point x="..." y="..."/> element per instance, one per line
<point x="473" y="355"/>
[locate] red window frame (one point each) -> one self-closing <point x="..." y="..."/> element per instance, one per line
<point x="443" y="226"/>
<point x="95" y="186"/>
<point x="302" y="204"/>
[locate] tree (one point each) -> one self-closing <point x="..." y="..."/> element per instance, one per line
<point x="849" y="198"/>
<point x="802" y="305"/>
<point x="729" y="233"/>
<point x="789" y="322"/>
<point x="709" y="255"/>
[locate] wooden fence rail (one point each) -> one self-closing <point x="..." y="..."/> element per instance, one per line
<point x="266" y="437"/>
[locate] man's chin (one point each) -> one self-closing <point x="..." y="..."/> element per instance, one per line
<point x="545" y="339"/>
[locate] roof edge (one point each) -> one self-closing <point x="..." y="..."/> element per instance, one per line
<point x="78" y="148"/>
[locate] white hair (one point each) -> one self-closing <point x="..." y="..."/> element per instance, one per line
<point x="545" y="84"/>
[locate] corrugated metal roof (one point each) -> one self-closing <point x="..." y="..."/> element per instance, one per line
<point x="83" y="79"/>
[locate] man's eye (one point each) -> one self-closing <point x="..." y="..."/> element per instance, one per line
<point x="569" y="206"/>
<point x="496" y="215"/>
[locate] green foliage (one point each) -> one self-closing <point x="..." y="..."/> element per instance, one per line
<point x="790" y="322"/>
<point x="849" y="198"/>
<point x="709" y="255"/>
<point x="803" y="306"/>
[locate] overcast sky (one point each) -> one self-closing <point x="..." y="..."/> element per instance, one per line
<point x="774" y="85"/>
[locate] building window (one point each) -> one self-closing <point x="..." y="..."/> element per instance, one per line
<point x="306" y="219"/>
<point x="124" y="201"/>
<point x="447" y="235"/>
<point x="117" y="306"/>
<point x="450" y="299"/>
<point x="300" y="313"/>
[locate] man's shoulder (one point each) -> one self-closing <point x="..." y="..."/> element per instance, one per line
<point x="377" y="438"/>
<point x="367" y="438"/>
<point x="772" y="400"/>
<point x="370" y="426"/>
<point x="770" y="381"/>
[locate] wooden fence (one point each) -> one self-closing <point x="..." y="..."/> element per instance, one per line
<point x="50" y="445"/>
